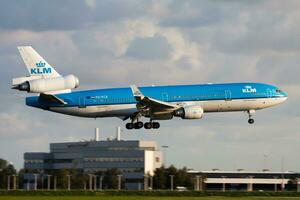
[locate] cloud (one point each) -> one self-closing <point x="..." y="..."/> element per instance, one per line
<point x="65" y="15"/>
<point x="156" y="47"/>
<point x="181" y="46"/>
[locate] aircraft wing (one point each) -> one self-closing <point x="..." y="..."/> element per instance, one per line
<point x="50" y="98"/>
<point x="150" y="103"/>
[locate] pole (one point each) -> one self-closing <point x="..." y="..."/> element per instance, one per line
<point x="151" y="182"/>
<point x="139" y="186"/>
<point x="275" y="184"/>
<point x="54" y="182"/>
<point x="91" y="182"/>
<point x="282" y="174"/>
<point x="28" y="185"/>
<point x="145" y="182"/>
<point x="8" y="182"/>
<point x="250" y="184"/>
<point x="172" y="182"/>
<point x="95" y="182"/>
<point x="100" y="182"/>
<point x="49" y="181"/>
<point x="69" y="181"/>
<point x="0" y="172"/>
<point x="201" y="184"/>
<point x="35" y="181"/>
<point x="15" y="182"/>
<point x="42" y="181"/>
<point x="224" y="184"/>
<point x="197" y="183"/>
<point x="119" y="182"/>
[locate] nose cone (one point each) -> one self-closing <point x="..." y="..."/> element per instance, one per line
<point x="284" y="94"/>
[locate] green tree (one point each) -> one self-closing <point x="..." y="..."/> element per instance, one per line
<point x="162" y="177"/>
<point x="3" y="163"/>
<point x="159" y="179"/>
<point x="78" y="178"/>
<point x="110" y="180"/>
<point x="6" y="169"/>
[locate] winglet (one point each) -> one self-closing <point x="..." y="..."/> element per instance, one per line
<point x="136" y="93"/>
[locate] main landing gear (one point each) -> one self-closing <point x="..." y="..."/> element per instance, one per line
<point x="250" y="113"/>
<point x="139" y="125"/>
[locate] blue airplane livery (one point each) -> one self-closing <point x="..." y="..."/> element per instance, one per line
<point x="132" y="103"/>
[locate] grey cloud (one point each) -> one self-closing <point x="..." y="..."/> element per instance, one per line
<point x="64" y="15"/>
<point x="284" y="69"/>
<point x="42" y="15"/>
<point x="156" y="47"/>
<point x="204" y="13"/>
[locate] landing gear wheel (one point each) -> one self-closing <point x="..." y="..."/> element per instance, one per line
<point x="155" y="125"/>
<point x="148" y="125"/>
<point x="251" y="121"/>
<point x="129" y="125"/>
<point x="250" y="114"/>
<point x="138" y="125"/>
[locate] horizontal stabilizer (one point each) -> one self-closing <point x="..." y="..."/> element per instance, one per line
<point x="50" y="98"/>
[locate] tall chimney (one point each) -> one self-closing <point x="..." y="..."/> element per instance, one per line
<point x="97" y="135"/>
<point x="118" y="138"/>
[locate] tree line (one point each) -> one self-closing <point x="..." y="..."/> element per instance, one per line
<point x="80" y="180"/>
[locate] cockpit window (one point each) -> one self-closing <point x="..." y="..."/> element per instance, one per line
<point x="278" y="91"/>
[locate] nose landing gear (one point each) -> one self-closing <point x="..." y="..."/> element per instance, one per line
<point x="250" y="121"/>
<point x="250" y="114"/>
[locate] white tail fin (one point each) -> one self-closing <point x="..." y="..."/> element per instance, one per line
<point x="36" y="65"/>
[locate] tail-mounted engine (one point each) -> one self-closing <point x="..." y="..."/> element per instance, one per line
<point x="48" y="84"/>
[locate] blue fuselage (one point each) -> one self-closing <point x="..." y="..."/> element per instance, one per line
<point x="171" y="94"/>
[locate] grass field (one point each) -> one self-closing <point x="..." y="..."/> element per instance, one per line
<point x="139" y="198"/>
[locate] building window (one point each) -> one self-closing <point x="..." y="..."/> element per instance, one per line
<point x="114" y="159"/>
<point x="34" y="161"/>
<point x="157" y="159"/>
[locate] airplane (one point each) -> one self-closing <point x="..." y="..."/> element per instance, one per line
<point x="133" y="103"/>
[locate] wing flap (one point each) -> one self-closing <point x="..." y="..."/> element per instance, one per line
<point x="148" y="102"/>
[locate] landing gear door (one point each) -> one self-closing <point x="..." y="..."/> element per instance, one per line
<point x="164" y="96"/>
<point x="269" y="93"/>
<point x="227" y="95"/>
<point x="81" y="102"/>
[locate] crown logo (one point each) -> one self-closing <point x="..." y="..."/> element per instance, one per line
<point x="40" y="64"/>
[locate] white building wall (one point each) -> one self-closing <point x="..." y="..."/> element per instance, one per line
<point x="149" y="162"/>
<point x="247" y="180"/>
<point x="153" y="160"/>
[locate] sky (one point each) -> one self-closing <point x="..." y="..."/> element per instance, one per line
<point x="113" y="43"/>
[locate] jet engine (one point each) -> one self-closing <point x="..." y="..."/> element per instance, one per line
<point x="48" y="84"/>
<point x="189" y="112"/>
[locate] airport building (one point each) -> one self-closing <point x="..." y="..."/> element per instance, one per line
<point x="134" y="158"/>
<point x="245" y="180"/>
